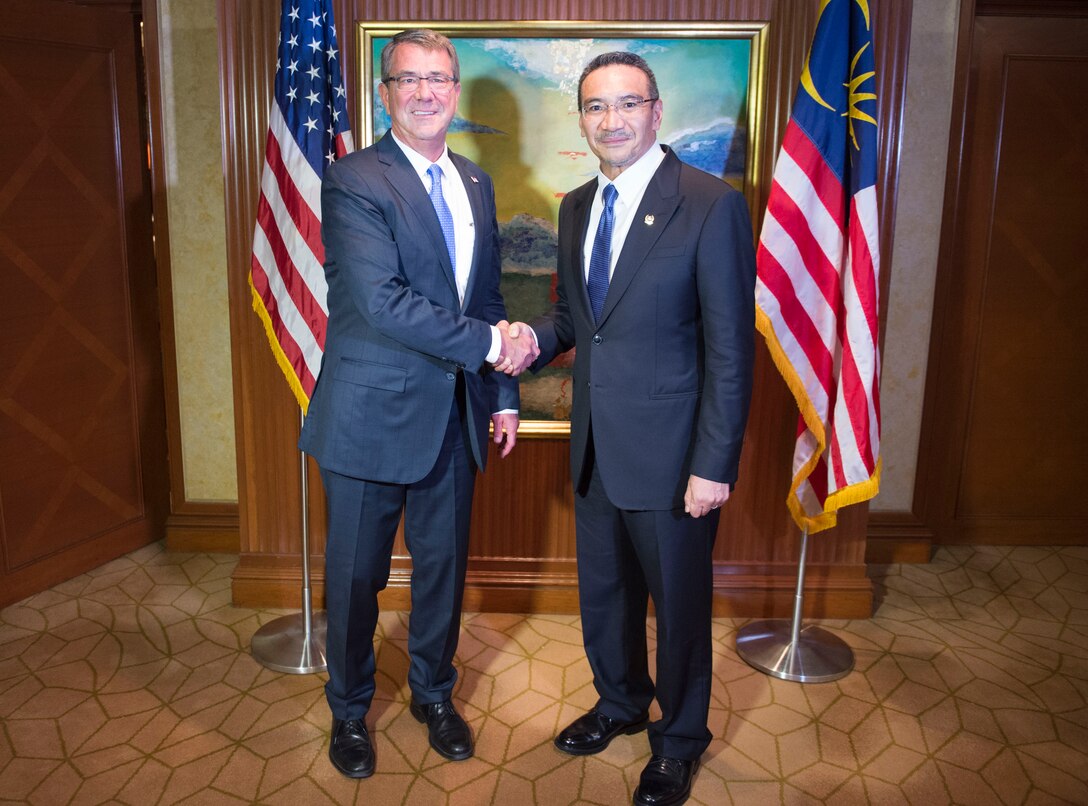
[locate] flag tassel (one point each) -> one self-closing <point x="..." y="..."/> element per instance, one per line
<point x="277" y="351"/>
<point x="817" y="270"/>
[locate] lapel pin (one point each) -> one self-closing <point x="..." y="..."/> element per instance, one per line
<point x="475" y="181"/>
<point x="649" y="220"/>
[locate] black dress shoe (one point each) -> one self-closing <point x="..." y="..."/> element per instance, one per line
<point x="350" y="750"/>
<point x="591" y="733"/>
<point x="449" y="735"/>
<point x="665" y="782"/>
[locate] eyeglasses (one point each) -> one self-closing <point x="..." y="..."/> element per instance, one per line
<point x="625" y="107"/>
<point x="439" y="83"/>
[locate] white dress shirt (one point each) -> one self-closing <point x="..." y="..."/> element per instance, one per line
<point x="631" y="186"/>
<point x="464" y="228"/>
<point x="453" y="189"/>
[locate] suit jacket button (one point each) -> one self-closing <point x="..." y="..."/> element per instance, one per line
<point x="597" y="338"/>
<point x="450" y="376"/>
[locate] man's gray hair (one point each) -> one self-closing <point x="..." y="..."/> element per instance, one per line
<point x="426" y="39"/>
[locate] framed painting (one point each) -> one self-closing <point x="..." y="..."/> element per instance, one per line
<point x="518" y="119"/>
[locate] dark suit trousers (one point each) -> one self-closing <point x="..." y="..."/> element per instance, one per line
<point x="363" y="518"/>
<point x="622" y="556"/>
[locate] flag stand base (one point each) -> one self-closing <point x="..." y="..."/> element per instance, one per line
<point x="817" y="656"/>
<point x="284" y="646"/>
<point x="295" y="644"/>
<point x="786" y="650"/>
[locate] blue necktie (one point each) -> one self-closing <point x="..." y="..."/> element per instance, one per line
<point x="600" y="257"/>
<point x="445" y="217"/>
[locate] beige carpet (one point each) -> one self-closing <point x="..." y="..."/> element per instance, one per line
<point x="133" y="684"/>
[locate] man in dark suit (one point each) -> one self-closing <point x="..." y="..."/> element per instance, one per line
<point x="656" y="290"/>
<point x="398" y="419"/>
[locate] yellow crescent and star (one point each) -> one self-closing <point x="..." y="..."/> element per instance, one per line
<point x="853" y="86"/>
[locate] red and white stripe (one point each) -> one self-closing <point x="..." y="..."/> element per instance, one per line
<point x="817" y="298"/>
<point x="287" y="274"/>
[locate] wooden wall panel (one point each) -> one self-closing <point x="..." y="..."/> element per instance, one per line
<point x="266" y="415"/>
<point x="522" y="540"/>
<point x="1003" y="426"/>
<point x="891" y="46"/>
<point x="83" y="476"/>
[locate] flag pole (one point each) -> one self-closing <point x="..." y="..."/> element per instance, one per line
<point x="791" y="652"/>
<point x="290" y="217"/>
<point x="295" y="643"/>
<point x="817" y="306"/>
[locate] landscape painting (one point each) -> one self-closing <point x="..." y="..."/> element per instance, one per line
<point x="518" y="119"/>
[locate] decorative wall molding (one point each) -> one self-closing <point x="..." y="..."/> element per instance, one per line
<point x="1031" y="8"/>
<point x="214" y="530"/>
<point x="897" y="537"/>
<point x="552" y="587"/>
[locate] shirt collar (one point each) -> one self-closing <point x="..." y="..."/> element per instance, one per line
<point x="634" y="179"/>
<point x="421" y="163"/>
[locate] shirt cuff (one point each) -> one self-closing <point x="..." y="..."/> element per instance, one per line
<point x="504" y="411"/>
<point x="496" y="346"/>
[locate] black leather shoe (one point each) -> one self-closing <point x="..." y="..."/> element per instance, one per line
<point x="665" y="782"/>
<point x="350" y="750"/>
<point x="591" y="733"/>
<point x="449" y="734"/>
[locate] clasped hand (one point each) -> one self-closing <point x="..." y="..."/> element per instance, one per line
<point x="519" y="348"/>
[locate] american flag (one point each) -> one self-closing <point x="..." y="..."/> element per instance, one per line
<point x="307" y="130"/>
<point x="817" y="267"/>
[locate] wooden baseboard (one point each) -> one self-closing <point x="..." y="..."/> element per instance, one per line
<point x="827" y="595"/>
<point x="214" y="532"/>
<point x="263" y="581"/>
<point x="68" y="563"/>
<point x="897" y="537"/>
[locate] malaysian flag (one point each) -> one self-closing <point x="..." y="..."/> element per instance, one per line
<point x="817" y="268"/>
<point x="307" y="130"/>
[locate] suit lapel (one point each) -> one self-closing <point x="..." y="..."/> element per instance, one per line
<point x="656" y="209"/>
<point x="581" y="204"/>
<point x="405" y="181"/>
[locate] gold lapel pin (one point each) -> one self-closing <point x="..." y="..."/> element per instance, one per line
<point x="649" y="220"/>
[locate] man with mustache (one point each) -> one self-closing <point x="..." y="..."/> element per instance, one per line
<point x="656" y="289"/>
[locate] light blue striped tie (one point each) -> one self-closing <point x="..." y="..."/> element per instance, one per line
<point x="445" y="217"/>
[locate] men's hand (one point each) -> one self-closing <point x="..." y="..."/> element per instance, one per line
<point x="704" y="495"/>
<point x="521" y="331"/>
<point x="519" y="348"/>
<point x="506" y="432"/>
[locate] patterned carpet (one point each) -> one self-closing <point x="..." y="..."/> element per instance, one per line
<point x="133" y="684"/>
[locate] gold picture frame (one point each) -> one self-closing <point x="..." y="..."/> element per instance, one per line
<point x="517" y="119"/>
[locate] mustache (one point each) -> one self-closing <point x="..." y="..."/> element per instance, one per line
<point x="612" y="136"/>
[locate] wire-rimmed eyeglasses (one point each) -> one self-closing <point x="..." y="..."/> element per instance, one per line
<point x="623" y="107"/>
<point x="409" y="82"/>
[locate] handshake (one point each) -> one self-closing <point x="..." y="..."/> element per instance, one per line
<point x="519" y="348"/>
